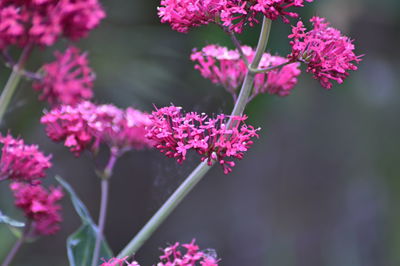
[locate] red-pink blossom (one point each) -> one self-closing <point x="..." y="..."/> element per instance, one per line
<point x="86" y="125"/>
<point x="328" y="54"/>
<point x="185" y="14"/>
<point x="43" y="22"/>
<point x="39" y="205"/>
<point x="234" y="14"/>
<point x="21" y="162"/>
<point x="280" y="81"/>
<point x="225" y="67"/>
<point x="68" y="80"/>
<point x="173" y="256"/>
<point x="68" y="123"/>
<point x="175" y="133"/>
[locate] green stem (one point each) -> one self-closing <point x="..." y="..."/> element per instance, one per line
<point x="13" y="81"/>
<point x="102" y="221"/>
<point x="17" y="245"/>
<point x="268" y="69"/>
<point x="249" y="79"/>
<point x="165" y="210"/>
<point x="198" y="173"/>
<point x="105" y="184"/>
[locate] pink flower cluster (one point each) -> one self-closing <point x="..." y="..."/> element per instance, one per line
<point x="119" y="262"/>
<point x="39" y="205"/>
<point x="42" y="22"/>
<point x="237" y="13"/>
<point x="175" y="133"/>
<point x="234" y="14"/>
<point x="225" y="67"/>
<point x="328" y="54"/>
<point x="21" y="162"/>
<point x="68" y="80"/>
<point x="86" y="125"/>
<point x="185" y="14"/>
<point x="173" y="256"/>
<point x="25" y="165"/>
<point x="193" y="256"/>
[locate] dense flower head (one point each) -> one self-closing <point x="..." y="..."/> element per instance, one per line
<point x="328" y="54"/>
<point x="173" y="256"/>
<point x="185" y="14"/>
<point x="175" y="133"/>
<point x="86" y="125"/>
<point x="68" y="80"/>
<point x="42" y="22"/>
<point x="234" y="14"/>
<point x="237" y="13"/>
<point x="226" y="68"/>
<point x="39" y="205"/>
<point x="21" y="162"/>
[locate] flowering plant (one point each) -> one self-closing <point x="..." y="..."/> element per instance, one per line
<point x="83" y="125"/>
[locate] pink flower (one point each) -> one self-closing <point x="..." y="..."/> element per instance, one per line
<point x="119" y="262"/>
<point x="42" y="22"/>
<point x="68" y="123"/>
<point x="234" y="14"/>
<point x="280" y="81"/>
<point x="68" y="80"/>
<point x="237" y="13"/>
<point x="173" y="256"/>
<point x="39" y="205"/>
<point x="185" y="14"/>
<point x="86" y="125"/>
<point x="328" y="54"/>
<point x="21" y="162"/>
<point x="79" y="17"/>
<point x="225" y="67"/>
<point x="175" y="133"/>
<point x="11" y="25"/>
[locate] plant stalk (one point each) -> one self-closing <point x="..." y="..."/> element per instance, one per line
<point x="17" y="245"/>
<point x="198" y="173"/>
<point x="105" y="176"/>
<point x="13" y="81"/>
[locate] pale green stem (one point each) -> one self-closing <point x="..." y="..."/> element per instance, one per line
<point x="13" y="81"/>
<point x="17" y="244"/>
<point x="105" y="176"/>
<point x="268" y="69"/>
<point x="199" y="172"/>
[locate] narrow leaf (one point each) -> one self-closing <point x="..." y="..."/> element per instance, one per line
<point x="7" y="220"/>
<point x="80" y="244"/>
<point x="76" y="202"/>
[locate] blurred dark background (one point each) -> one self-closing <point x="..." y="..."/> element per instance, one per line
<point x="319" y="188"/>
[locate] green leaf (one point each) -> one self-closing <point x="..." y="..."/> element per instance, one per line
<point x="7" y="220"/>
<point x="80" y="244"/>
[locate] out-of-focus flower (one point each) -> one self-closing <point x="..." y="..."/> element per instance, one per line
<point x="119" y="262"/>
<point x="79" y="17"/>
<point x="42" y="22"/>
<point x="39" y="205"/>
<point x="234" y="14"/>
<point x="175" y="133"/>
<point x="173" y="256"/>
<point x="21" y="162"/>
<point x="68" y="80"/>
<point x="328" y="54"/>
<point x="225" y="67"/>
<point x="86" y="125"/>
<point x="280" y="81"/>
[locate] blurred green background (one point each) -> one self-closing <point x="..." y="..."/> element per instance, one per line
<point x="319" y="188"/>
